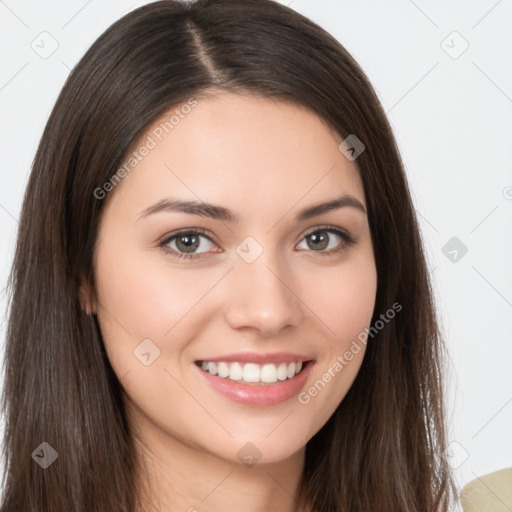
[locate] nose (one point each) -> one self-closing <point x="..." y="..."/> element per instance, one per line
<point x="261" y="295"/>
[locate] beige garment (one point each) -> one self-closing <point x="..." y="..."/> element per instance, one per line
<point x="488" y="493"/>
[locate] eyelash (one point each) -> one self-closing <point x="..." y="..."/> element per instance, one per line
<point x="347" y="239"/>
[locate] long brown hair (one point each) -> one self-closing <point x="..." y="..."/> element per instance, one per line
<point x="382" y="448"/>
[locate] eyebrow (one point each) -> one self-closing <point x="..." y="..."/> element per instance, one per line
<point x="220" y="213"/>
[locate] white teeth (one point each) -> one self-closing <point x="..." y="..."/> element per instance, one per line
<point x="282" y="371"/>
<point x="251" y="372"/>
<point x="268" y="373"/>
<point x="222" y="369"/>
<point x="235" y="371"/>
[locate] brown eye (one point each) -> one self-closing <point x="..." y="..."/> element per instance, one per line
<point x="328" y="238"/>
<point x="185" y="244"/>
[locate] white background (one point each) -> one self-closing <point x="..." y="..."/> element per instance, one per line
<point x="452" y="118"/>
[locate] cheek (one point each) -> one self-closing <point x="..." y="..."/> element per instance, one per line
<point x="343" y="308"/>
<point x="342" y="299"/>
<point x="141" y="300"/>
<point x="145" y="316"/>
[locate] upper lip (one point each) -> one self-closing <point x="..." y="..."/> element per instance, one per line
<point x="259" y="358"/>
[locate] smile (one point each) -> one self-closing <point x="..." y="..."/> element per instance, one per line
<point x="252" y="372"/>
<point x="255" y="391"/>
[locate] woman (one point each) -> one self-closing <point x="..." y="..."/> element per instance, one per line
<point x="219" y="296"/>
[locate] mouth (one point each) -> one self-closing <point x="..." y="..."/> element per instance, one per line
<point x="253" y="374"/>
<point x="245" y="382"/>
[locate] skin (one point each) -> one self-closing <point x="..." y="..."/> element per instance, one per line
<point x="264" y="160"/>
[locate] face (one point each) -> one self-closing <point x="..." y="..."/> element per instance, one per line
<point x="250" y="286"/>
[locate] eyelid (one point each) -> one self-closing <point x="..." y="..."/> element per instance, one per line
<point x="327" y="227"/>
<point x="200" y="231"/>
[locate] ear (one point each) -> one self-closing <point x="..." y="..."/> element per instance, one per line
<point x="85" y="298"/>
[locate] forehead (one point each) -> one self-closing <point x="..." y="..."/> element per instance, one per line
<point x="242" y="150"/>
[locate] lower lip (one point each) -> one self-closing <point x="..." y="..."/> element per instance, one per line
<point x="254" y="394"/>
